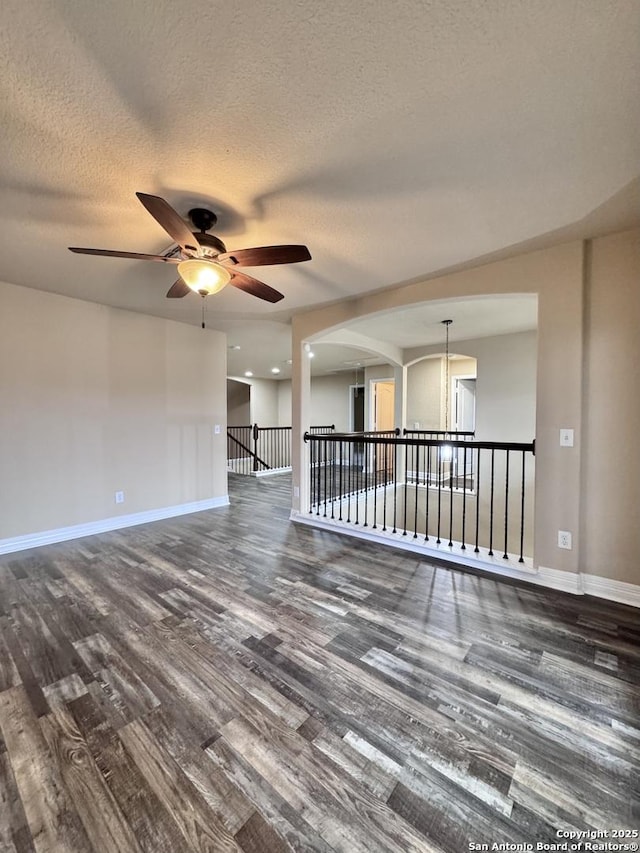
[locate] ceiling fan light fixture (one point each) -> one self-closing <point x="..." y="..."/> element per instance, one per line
<point x="203" y="276"/>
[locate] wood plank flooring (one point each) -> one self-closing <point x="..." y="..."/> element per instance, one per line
<point x="229" y="681"/>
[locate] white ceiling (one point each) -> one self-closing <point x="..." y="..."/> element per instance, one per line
<point x="394" y="139"/>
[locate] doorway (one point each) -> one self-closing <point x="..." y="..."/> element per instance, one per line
<point x="383" y="404"/>
<point x="356" y="408"/>
<point x="383" y="419"/>
<point x="464" y="403"/>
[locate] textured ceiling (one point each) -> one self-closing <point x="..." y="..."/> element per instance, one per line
<point x="394" y="139"/>
<point x="421" y="325"/>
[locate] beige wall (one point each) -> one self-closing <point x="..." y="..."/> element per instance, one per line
<point x="284" y="402"/>
<point x="263" y="407"/>
<point x="506" y="387"/>
<point x="424" y="394"/>
<point x="96" y="400"/>
<point x="610" y="532"/>
<point x="238" y="403"/>
<point x="330" y="400"/>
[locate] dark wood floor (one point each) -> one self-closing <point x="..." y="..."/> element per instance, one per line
<point x="231" y="681"/>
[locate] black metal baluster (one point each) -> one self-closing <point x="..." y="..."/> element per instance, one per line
<point x="358" y="473"/>
<point x="317" y="467"/>
<point x="406" y="488"/>
<point x="332" y="481"/>
<point x="365" y="466"/>
<point x="375" y="484"/>
<point x="491" y="503"/>
<point x="386" y="483"/>
<point x="416" y="483"/>
<point x="464" y="496"/>
<point x="311" y="473"/>
<point x="521" y="560"/>
<point x="315" y="484"/>
<point x="438" y="540"/>
<point x="320" y="473"/>
<point x="506" y="509"/>
<point x="395" y="486"/>
<point x="428" y="460"/>
<point x="340" y="489"/>
<point x="255" y="447"/>
<point x="451" y="499"/>
<point x="349" y="482"/>
<point x="477" y="489"/>
<point x="324" y="468"/>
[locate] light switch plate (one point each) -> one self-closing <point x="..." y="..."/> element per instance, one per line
<point x="566" y="437"/>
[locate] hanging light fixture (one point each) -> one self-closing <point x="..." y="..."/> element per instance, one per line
<point x="446" y="449"/>
<point x="204" y="276"/>
<point x="446" y="324"/>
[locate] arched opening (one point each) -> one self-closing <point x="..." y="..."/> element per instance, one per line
<point x="454" y="474"/>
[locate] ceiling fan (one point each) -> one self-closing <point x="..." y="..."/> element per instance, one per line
<point x="204" y="265"/>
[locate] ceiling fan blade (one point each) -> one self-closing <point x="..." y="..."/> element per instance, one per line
<point x="255" y="287"/>
<point x="178" y="290"/>
<point x="135" y="255"/>
<point x="172" y="222"/>
<point x="262" y="255"/>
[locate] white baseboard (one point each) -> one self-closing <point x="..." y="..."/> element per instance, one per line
<point x="556" y="579"/>
<point x="455" y="553"/>
<point x="577" y="583"/>
<point x="620" y="591"/>
<point x="77" y="531"/>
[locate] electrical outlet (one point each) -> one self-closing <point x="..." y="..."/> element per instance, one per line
<point x="564" y="540"/>
<point x="296" y="491"/>
<point x="216" y="429"/>
<point x="119" y="497"/>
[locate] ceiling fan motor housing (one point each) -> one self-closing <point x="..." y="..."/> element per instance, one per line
<point x="211" y="245"/>
<point x="204" y="220"/>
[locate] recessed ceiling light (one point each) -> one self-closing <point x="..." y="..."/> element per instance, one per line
<point x="248" y="373"/>
<point x="311" y="354"/>
<point x="289" y="361"/>
<point x="234" y="346"/>
<point x="275" y="370"/>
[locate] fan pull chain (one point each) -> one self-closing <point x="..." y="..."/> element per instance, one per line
<point x="203" y="298"/>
